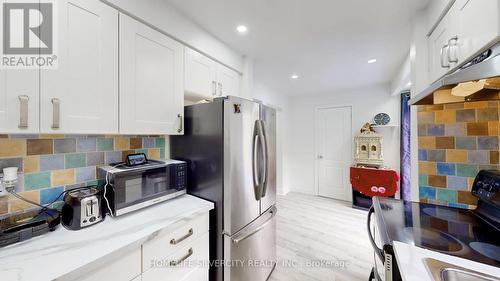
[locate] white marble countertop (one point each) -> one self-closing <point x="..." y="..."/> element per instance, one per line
<point x="66" y="255"/>
<point x="412" y="268"/>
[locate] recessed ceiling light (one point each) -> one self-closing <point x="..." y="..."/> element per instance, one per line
<point x="372" y="61"/>
<point x="241" y="29"/>
<point x="409" y="84"/>
<point x="294" y="76"/>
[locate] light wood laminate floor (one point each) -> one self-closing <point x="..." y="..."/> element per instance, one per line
<point x="311" y="228"/>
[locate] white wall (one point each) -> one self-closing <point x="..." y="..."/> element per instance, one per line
<point x="420" y="80"/>
<point x="166" y="18"/>
<point x="402" y="80"/>
<point x="280" y="103"/>
<point x="300" y="143"/>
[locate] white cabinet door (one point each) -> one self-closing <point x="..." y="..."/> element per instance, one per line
<point x="19" y="100"/>
<point x="126" y="267"/>
<point x="228" y="82"/>
<point x="190" y="260"/>
<point x="200" y="76"/>
<point x="81" y="95"/>
<point x="435" y="10"/>
<point x="138" y="278"/>
<point x="151" y="80"/>
<point x="479" y="25"/>
<point x="439" y="50"/>
<point x="19" y="97"/>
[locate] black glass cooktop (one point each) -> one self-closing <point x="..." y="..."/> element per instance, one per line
<point x="452" y="231"/>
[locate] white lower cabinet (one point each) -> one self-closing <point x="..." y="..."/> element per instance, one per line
<point x="179" y="255"/>
<point x="151" y="80"/>
<point x="125" y="268"/>
<point x="138" y="278"/>
<point x="188" y="263"/>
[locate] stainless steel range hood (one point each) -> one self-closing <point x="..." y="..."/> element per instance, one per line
<point x="478" y="79"/>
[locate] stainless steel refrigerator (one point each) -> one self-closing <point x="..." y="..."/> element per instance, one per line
<point x="230" y="147"/>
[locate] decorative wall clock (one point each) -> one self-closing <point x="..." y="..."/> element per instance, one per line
<point x="382" y="119"/>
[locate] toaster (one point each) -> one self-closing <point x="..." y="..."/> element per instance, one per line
<point x="82" y="208"/>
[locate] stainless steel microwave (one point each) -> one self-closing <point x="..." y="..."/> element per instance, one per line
<point x="129" y="188"/>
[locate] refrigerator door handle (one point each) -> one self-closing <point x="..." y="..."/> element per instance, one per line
<point x="255" y="166"/>
<point x="265" y="157"/>
<point x="243" y="234"/>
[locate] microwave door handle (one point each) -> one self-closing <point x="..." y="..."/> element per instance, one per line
<point x="378" y="251"/>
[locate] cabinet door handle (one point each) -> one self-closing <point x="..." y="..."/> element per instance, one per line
<point x="179" y="240"/>
<point x="177" y="262"/>
<point x="181" y="123"/>
<point x="214" y="88"/>
<point x="220" y="89"/>
<point x="452" y="43"/>
<point x="443" y="65"/>
<point x="56" y="113"/>
<point x="23" y="111"/>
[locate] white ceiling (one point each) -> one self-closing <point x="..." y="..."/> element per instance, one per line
<point x="326" y="42"/>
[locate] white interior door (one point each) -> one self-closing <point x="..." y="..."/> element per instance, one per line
<point x="333" y="147"/>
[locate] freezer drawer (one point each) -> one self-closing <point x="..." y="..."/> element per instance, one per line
<point x="252" y="250"/>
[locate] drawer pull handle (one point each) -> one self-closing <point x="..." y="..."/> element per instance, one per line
<point x="177" y="262"/>
<point x="56" y="108"/>
<point x="181" y="125"/>
<point x="178" y="240"/>
<point x="23" y="111"/>
<point x="214" y="88"/>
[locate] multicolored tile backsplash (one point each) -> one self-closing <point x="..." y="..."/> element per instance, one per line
<point x="456" y="141"/>
<point x="49" y="164"/>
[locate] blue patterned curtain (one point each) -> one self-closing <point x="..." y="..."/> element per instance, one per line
<point x="405" y="148"/>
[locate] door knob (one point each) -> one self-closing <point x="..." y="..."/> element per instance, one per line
<point x="320" y="156"/>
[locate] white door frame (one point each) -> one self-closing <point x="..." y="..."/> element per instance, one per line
<point x="316" y="138"/>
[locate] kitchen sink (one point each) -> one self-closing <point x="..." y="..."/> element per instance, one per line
<point x="442" y="271"/>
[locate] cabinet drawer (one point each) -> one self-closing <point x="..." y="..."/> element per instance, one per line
<point x="194" y="263"/>
<point x="125" y="268"/>
<point x="165" y="245"/>
<point x="199" y="274"/>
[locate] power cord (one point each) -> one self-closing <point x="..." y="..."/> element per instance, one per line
<point x="113" y="168"/>
<point x="46" y="206"/>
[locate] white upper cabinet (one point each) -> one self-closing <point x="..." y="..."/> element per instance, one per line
<point x="439" y="49"/>
<point x="435" y="11"/>
<point x="228" y="83"/>
<point x="467" y="28"/>
<point x="207" y="79"/>
<point x="479" y="26"/>
<point x="81" y="95"/>
<point x="19" y="98"/>
<point x="200" y="76"/>
<point x="19" y="101"/>
<point x="151" y="80"/>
